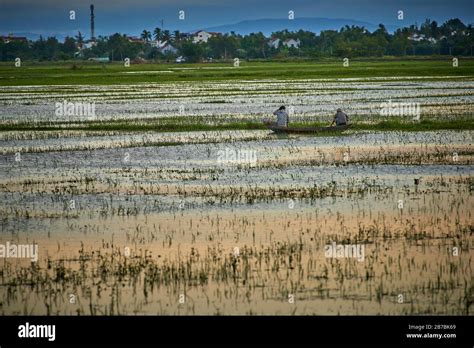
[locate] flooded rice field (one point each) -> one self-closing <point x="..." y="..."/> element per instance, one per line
<point x="237" y="222"/>
<point x="249" y="100"/>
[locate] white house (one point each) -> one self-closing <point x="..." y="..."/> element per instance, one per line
<point x="421" y="37"/>
<point x="166" y="48"/>
<point x="292" y="43"/>
<point x="203" y="36"/>
<point x="156" y="43"/>
<point x="89" y="44"/>
<point x="274" y="42"/>
<point x="416" y="37"/>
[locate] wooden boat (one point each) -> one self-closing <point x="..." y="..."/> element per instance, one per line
<point x="309" y="130"/>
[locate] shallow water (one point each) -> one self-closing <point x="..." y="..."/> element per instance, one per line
<point x="312" y="99"/>
<point x="180" y="209"/>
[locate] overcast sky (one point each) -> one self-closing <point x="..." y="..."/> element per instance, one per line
<point x="48" y="17"/>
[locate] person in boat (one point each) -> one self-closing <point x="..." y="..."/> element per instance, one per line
<point x="282" y="117"/>
<point x="340" y="119"/>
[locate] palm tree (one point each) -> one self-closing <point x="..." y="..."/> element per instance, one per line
<point x="166" y="35"/>
<point x="146" y="35"/>
<point x="157" y="33"/>
<point x="79" y="39"/>
<point x="177" y="35"/>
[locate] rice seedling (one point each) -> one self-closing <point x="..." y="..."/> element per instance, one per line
<point x="135" y="212"/>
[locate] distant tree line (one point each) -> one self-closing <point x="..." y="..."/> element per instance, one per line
<point x="451" y="38"/>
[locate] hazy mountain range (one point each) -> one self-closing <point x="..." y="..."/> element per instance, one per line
<point x="267" y="26"/>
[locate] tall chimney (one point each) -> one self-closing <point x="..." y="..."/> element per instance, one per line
<point x="92" y="23"/>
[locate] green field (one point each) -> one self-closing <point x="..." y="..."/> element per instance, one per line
<point x="190" y="124"/>
<point x="81" y="73"/>
<point x="222" y="84"/>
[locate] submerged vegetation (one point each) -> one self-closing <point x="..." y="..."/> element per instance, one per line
<point x="173" y="198"/>
<point x="134" y="237"/>
<point x="190" y="124"/>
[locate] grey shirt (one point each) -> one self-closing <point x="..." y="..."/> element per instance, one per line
<point x="341" y="118"/>
<point x="282" y="118"/>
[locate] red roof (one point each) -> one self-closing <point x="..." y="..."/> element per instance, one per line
<point x="13" y="38"/>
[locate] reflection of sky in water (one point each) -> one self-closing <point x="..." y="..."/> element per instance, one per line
<point x="180" y="165"/>
<point x="241" y="98"/>
<point x="198" y="156"/>
<point x="265" y="143"/>
<point x="206" y="222"/>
